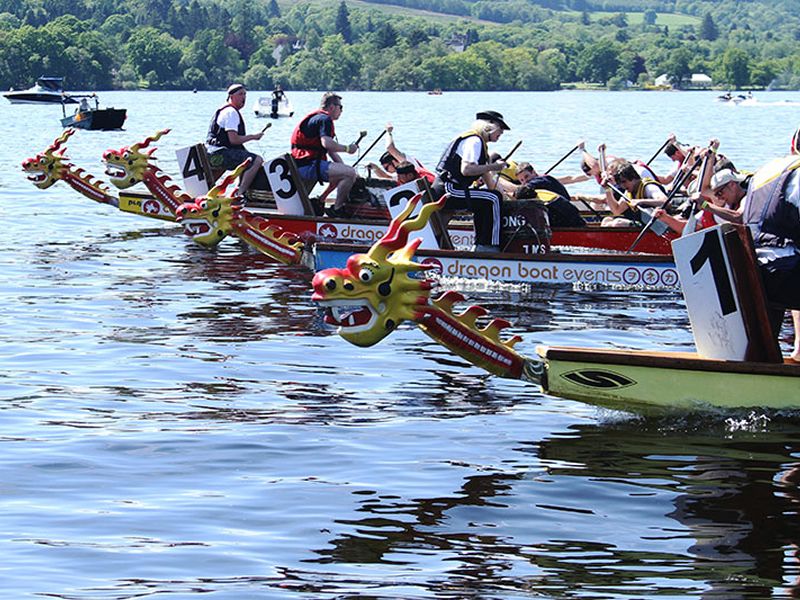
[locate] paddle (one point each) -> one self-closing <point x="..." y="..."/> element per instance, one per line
<point x="565" y="157"/>
<point x="672" y="192"/>
<point x="580" y="144"/>
<point x="267" y="126"/>
<point x="691" y="221"/>
<point x="371" y="146"/>
<point x="664" y="145"/>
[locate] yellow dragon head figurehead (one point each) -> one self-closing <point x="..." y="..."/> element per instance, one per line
<point x="128" y="165"/>
<point x="374" y="293"/>
<point x="50" y="166"/>
<point x="209" y="219"/>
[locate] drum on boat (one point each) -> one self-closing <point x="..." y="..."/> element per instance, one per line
<point x="525" y="227"/>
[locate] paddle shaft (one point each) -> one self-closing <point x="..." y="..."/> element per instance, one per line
<point x="671" y="194"/>
<point x="371" y="146"/>
<point x="562" y="159"/>
<point x="267" y="126"/>
<point x="664" y="145"/>
<point x="691" y="221"/>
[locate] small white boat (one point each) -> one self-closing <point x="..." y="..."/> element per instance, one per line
<point x="48" y="90"/>
<point x="273" y="109"/>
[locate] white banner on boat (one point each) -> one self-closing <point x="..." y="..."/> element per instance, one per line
<point x="711" y="297"/>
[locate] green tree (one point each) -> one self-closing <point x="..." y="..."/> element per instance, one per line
<point x="155" y="57"/>
<point x="650" y="17"/>
<point x="343" y="23"/>
<point x="708" y="29"/>
<point x="677" y="66"/>
<point x="599" y="61"/>
<point x="273" y="10"/>
<point x="735" y="67"/>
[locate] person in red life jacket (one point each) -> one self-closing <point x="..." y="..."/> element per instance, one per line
<point x="314" y="143"/>
<point x="227" y="136"/>
<point x="393" y="157"/>
<point x="466" y="161"/>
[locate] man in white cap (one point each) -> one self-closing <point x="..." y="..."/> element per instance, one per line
<point x="227" y="136"/>
<point x="465" y="161"/>
<point x="729" y="188"/>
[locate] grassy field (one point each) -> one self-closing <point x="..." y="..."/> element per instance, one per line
<point x="634" y="18"/>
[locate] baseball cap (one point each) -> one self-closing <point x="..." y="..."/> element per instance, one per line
<point x="725" y="176"/>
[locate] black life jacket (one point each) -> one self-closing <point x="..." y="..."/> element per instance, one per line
<point x="449" y="166"/>
<point x="217" y="136"/>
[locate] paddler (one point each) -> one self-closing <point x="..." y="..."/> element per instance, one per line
<point x="314" y="141"/>
<point x="466" y="161"/>
<point x="227" y="136"/>
<point x="560" y="209"/>
<point x="630" y="210"/>
<point x="393" y="157"/>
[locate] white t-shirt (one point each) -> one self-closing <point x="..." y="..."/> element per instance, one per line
<point x="469" y="149"/>
<point x="227" y="119"/>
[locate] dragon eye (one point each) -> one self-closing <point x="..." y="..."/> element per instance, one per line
<point x="365" y="275"/>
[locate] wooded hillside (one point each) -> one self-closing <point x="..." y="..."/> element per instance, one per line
<point x="398" y="44"/>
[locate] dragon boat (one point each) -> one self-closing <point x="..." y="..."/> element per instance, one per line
<point x="133" y="164"/>
<point x="281" y="196"/>
<point x="738" y="363"/>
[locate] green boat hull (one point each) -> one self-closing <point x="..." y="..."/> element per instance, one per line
<point x="654" y="382"/>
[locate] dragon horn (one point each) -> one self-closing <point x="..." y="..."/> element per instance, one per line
<point x="149" y="139"/>
<point x="60" y="141"/>
<point x="399" y="229"/>
<point x="230" y="178"/>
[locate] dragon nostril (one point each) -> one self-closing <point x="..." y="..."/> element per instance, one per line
<point x="349" y="286"/>
<point x="390" y="325"/>
<point x="385" y="289"/>
<point x="330" y="284"/>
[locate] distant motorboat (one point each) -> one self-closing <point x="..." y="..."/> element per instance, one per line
<point x="95" y="119"/>
<point x="268" y="106"/>
<point x="48" y="90"/>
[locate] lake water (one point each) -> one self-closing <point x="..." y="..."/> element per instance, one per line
<point x="178" y="422"/>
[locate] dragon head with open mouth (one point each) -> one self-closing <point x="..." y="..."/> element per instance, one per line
<point x="209" y="219"/>
<point x="375" y="292"/>
<point x="50" y="166"/>
<point x="128" y="165"/>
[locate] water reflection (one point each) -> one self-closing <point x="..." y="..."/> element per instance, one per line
<point x="735" y="500"/>
<point x="721" y="521"/>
